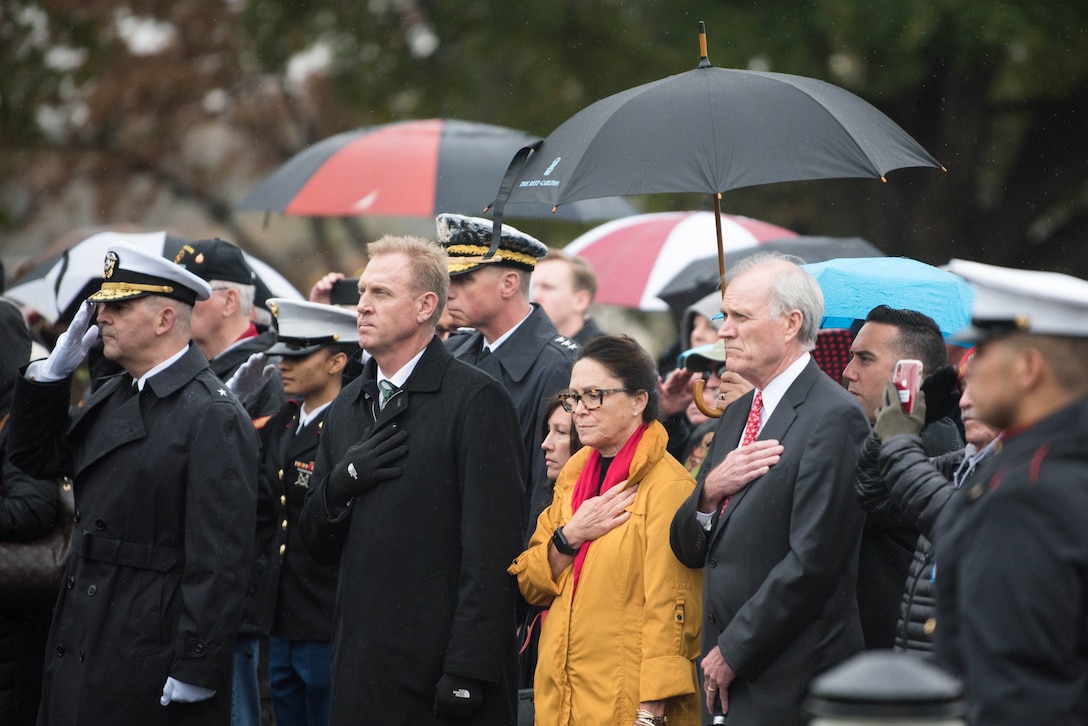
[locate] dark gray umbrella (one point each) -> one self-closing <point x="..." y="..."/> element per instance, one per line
<point x="700" y="277"/>
<point x="709" y="130"/>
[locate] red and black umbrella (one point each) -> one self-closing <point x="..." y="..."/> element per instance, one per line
<point x="410" y="169"/>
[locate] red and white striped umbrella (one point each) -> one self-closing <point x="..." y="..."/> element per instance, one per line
<point x="635" y="257"/>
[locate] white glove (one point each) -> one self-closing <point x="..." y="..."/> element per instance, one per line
<point x="250" y="376"/>
<point x="71" y="347"/>
<point x="175" y="690"/>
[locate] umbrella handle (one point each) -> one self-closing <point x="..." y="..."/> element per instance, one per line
<point x="697" y="394"/>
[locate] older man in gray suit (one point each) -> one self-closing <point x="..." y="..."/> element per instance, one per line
<point x="773" y="518"/>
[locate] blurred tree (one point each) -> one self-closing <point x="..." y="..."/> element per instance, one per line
<point x="195" y="100"/>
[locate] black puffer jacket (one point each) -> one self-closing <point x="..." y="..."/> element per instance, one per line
<point x="897" y="482"/>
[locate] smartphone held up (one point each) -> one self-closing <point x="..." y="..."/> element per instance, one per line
<point x="907" y="379"/>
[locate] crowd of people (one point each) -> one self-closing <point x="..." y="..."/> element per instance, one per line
<point x="400" y="498"/>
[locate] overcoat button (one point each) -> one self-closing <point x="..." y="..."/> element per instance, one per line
<point x="76" y="516"/>
<point x="199" y="648"/>
<point x="281" y="474"/>
<point x="82" y="656"/>
<point x="975" y="492"/>
<point x="60" y="650"/>
<point x="99" y="524"/>
<point x="284" y="525"/>
<point x="712" y="562"/>
<point x="930" y="627"/>
<point x="283" y="548"/>
<point x="71" y="582"/>
<point x="92" y="590"/>
<point x="283" y="499"/>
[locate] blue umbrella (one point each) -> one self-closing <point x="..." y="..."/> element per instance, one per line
<point x="854" y="286"/>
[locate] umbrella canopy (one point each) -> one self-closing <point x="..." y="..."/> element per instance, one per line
<point x="709" y="130"/>
<point x="56" y="286"/>
<point x="635" y="257"/>
<point x="409" y="169"/>
<point x="700" y="277"/>
<point x="853" y="287"/>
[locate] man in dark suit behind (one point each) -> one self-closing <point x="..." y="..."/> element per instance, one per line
<point x="773" y="520"/>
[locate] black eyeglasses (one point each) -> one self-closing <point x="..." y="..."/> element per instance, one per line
<point x="591" y="399"/>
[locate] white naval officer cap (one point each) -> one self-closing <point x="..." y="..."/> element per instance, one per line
<point x="130" y="272"/>
<point x="304" y="327"/>
<point x="1028" y="301"/>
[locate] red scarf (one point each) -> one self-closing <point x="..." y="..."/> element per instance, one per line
<point x="618" y="471"/>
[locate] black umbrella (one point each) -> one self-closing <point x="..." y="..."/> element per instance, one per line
<point x="709" y="130"/>
<point x="700" y="277"/>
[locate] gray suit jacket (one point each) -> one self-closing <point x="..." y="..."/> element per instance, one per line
<point x="781" y="563"/>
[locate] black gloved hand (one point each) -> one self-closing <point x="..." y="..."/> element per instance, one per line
<point x="366" y="464"/>
<point x="942" y="393"/>
<point x="457" y="697"/>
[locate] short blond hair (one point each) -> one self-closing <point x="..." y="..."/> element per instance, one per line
<point x="430" y="266"/>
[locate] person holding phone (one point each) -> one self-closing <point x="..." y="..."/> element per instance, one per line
<point x="888" y="336"/>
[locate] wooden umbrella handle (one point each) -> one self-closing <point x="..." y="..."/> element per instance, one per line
<point x="697" y="394"/>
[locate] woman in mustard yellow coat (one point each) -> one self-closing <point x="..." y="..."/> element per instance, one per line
<point x="619" y="643"/>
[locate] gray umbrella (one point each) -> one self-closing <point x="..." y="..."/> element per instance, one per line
<point x="700" y="277"/>
<point x="709" y="130"/>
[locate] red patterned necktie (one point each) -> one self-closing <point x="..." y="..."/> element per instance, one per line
<point x="751" y="431"/>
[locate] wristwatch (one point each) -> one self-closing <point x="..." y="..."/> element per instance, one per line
<point x="562" y="545"/>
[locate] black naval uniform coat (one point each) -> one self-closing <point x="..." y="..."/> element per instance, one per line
<point x="1012" y="563"/>
<point x="423" y="557"/>
<point x="295" y="593"/>
<point x="533" y="363"/>
<point x="165" y="491"/>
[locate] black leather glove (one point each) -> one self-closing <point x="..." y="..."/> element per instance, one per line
<point x="942" y="393"/>
<point x="457" y="697"/>
<point x="366" y="464"/>
<point x="892" y="420"/>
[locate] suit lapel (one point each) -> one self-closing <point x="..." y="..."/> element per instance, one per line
<point x="776" y="428"/>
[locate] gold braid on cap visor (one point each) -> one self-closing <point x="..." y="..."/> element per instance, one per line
<point x="121" y="290"/>
<point x="459" y="260"/>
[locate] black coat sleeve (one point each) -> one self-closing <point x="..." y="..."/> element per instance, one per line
<point x="28" y="506"/>
<point x="918" y="486"/>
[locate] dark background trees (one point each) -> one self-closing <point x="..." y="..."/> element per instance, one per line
<point x="166" y="114"/>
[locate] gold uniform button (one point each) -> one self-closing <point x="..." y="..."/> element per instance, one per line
<point x="283" y="548"/>
<point x="283" y="499"/>
<point x="281" y="474"/>
<point x="284" y="525"/>
<point x="930" y="626"/>
<point x="975" y="492"/>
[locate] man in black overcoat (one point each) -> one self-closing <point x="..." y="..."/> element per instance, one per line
<point x="419" y="498"/>
<point x="513" y="341"/>
<point x="164" y="464"/>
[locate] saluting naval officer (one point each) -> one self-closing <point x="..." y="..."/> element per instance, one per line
<point x="164" y="464"/>
<point x="514" y="340"/>
<point x="297" y="593"/>
<point x="1012" y="544"/>
<point x="419" y="499"/>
